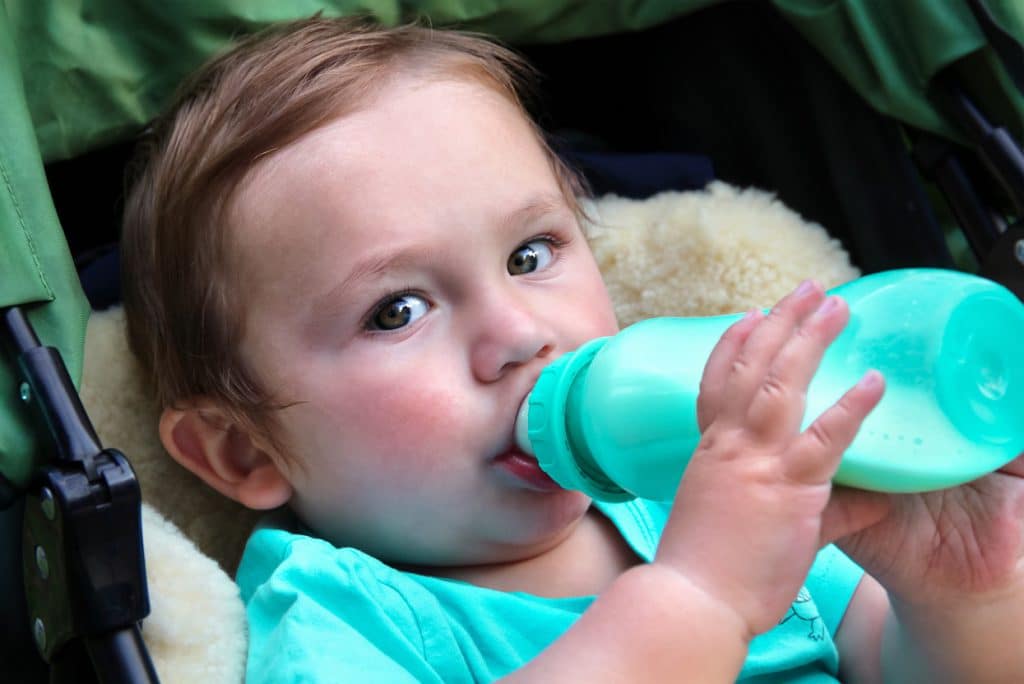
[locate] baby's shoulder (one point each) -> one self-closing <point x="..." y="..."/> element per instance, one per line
<point x="314" y="607"/>
<point x="299" y="580"/>
<point x="282" y="560"/>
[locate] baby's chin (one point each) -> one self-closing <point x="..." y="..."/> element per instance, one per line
<point x="544" y="524"/>
<point x="504" y="527"/>
<point x="517" y="536"/>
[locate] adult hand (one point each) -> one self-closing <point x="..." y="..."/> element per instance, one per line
<point x="938" y="548"/>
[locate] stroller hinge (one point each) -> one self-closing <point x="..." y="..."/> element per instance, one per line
<point x="82" y="553"/>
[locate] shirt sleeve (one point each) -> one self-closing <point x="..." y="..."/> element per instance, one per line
<point x="831" y="583"/>
<point x="318" y="613"/>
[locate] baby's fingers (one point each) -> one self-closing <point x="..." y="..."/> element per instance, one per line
<point x="778" y="405"/>
<point x="820" y="447"/>
<point x="752" y="361"/>
<point x="719" y="365"/>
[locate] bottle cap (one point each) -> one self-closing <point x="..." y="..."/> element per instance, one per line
<point x="548" y="434"/>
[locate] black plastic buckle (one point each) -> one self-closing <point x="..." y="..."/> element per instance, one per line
<point x="83" y="564"/>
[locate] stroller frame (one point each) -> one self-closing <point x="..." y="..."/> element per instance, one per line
<point x="1000" y="252"/>
<point x="82" y="557"/>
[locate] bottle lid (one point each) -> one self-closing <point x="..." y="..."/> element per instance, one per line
<point x="547" y="432"/>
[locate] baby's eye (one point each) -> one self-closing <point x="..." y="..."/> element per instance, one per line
<point x="533" y="256"/>
<point x="398" y="312"/>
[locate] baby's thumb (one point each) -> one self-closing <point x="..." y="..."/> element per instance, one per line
<point x="851" y="510"/>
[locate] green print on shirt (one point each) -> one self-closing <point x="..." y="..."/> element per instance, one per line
<point x="803" y="609"/>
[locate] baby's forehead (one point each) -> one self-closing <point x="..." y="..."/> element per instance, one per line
<point x="438" y="158"/>
<point x="401" y="106"/>
<point x="406" y="136"/>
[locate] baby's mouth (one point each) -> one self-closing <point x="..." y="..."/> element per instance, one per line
<point x="525" y="469"/>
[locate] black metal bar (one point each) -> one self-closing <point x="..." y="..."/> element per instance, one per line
<point x="938" y="160"/>
<point x="972" y="215"/>
<point x="995" y="146"/>
<point x="970" y="118"/>
<point x="20" y="337"/>
<point x="52" y="391"/>
<point x="121" y="656"/>
<point x="19" y="330"/>
<point x="48" y="386"/>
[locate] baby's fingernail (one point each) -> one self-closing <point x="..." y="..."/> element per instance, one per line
<point x="752" y="313"/>
<point x="805" y="288"/>
<point x="871" y="380"/>
<point x="828" y="306"/>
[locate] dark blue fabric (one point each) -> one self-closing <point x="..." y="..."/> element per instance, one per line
<point x="641" y="175"/>
<point x="101" y="278"/>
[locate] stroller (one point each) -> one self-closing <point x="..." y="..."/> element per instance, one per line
<point x="858" y="115"/>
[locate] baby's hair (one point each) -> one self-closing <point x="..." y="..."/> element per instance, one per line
<point x="180" y="292"/>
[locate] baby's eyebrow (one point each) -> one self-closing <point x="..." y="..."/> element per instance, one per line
<point x="325" y="305"/>
<point x="534" y="209"/>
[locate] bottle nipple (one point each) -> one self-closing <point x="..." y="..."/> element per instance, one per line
<point x="521" y="433"/>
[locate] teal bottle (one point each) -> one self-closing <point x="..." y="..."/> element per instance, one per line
<point x="617" y="418"/>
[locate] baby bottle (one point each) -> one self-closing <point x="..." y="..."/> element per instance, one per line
<point x="617" y="418"/>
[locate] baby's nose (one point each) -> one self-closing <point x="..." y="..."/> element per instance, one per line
<point x="511" y="339"/>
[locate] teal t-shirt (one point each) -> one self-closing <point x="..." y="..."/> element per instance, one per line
<point x="322" y="613"/>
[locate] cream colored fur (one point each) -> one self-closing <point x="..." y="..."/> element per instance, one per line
<point x="697" y="253"/>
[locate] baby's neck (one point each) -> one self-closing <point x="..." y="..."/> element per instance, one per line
<point x="583" y="564"/>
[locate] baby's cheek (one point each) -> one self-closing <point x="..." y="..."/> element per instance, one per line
<point x="425" y="417"/>
<point x="418" y="424"/>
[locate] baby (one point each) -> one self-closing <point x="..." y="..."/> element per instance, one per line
<point x="348" y="256"/>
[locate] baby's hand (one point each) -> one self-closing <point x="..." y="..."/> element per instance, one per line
<point x="754" y="507"/>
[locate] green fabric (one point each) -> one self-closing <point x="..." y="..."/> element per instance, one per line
<point x="321" y="613"/>
<point x="890" y="51"/>
<point x="35" y="265"/>
<point x="98" y="70"/>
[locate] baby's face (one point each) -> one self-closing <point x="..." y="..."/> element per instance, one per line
<point x="409" y="270"/>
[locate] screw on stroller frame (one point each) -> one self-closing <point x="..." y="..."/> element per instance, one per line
<point x="83" y="565"/>
<point x="999" y="249"/>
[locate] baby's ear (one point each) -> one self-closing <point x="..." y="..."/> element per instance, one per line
<point x="206" y="441"/>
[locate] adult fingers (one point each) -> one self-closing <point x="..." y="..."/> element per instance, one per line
<point x="720" y="362"/>
<point x="758" y="351"/>
<point x="850" y="511"/>
<point x="778" y="405"/>
<point x="817" y="451"/>
<point x="1014" y="467"/>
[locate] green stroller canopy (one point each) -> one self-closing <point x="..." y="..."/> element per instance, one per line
<point x="78" y="76"/>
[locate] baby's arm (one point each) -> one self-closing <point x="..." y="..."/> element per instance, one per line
<point x="652" y="625"/>
<point x="752" y="511"/>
